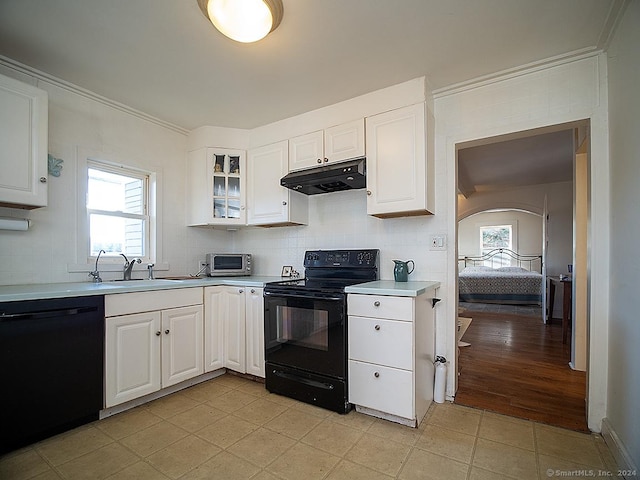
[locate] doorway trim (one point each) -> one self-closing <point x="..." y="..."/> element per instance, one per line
<point x="562" y="93"/>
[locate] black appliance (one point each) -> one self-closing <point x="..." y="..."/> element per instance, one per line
<point x="328" y="178"/>
<point x="306" y="327"/>
<point x="52" y="357"/>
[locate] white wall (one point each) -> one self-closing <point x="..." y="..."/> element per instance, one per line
<point x="339" y="220"/>
<point x="526" y="232"/>
<point x="624" y="326"/>
<point x="81" y="123"/>
<point x="522" y="101"/>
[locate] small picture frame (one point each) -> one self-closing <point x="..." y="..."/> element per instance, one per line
<point x="286" y="271"/>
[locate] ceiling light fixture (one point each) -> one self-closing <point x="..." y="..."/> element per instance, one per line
<point x="243" y="20"/>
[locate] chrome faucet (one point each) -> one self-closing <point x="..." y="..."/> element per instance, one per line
<point x="128" y="266"/>
<point x="96" y="274"/>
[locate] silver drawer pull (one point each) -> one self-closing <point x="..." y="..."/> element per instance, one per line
<point x="376" y="374"/>
<point x="158" y="334"/>
<point x="377" y="327"/>
<point x="376" y="303"/>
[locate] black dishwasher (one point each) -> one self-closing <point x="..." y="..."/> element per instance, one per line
<point x="51" y="355"/>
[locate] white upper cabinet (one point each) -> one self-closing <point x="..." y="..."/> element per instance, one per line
<point x="334" y="144"/>
<point x="216" y="187"/>
<point x="306" y="151"/>
<point x="269" y="203"/>
<point x="400" y="163"/>
<point x="345" y="141"/>
<point x="23" y="136"/>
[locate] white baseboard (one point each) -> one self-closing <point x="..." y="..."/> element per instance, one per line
<point x="617" y="448"/>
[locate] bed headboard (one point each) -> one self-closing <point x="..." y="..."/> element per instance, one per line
<point x="530" y="262"/>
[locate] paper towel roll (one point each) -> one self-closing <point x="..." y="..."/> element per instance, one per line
<point x="14" y="224"/>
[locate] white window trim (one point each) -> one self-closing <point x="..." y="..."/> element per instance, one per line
<point x="84" y="261"/>
<point x="137" y="173"/>
<point x="513" y="223"/>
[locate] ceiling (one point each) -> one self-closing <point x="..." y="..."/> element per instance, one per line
<point x="528" y="158"/>
<point x="164" y="58"/>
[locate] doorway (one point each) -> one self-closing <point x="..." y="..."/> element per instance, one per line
<point x="519" y="171"/>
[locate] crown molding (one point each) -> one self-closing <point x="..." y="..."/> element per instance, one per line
<point x="63" y="84"/>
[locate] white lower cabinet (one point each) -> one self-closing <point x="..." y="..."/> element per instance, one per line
<point x="391" y="355"/>
<point x="158" y="346"/>
<point x="234" y="330"/>
<point x="254" y="325"/>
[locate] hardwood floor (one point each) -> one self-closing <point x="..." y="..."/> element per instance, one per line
<point x="518" y="366"/>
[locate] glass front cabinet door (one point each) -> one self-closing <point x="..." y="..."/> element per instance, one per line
<point x="216" y="189"/>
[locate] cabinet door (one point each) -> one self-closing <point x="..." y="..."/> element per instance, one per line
<point x="23" y="136"/>
<point x="345" y="141"/>
<point x="397" y="163"/>
<point x="306" y="151"/>
<point x="132" y="367"/>
<point x="388" y="390"/>
<point x="213" y="328"/>
<point x="215" y="187"/>
<point x="383" y="342"/>
<point x="233" y="308"/>
<point x="268" y="200"/>
<point x="255" y="331"/>
<point x="182" y="356"/>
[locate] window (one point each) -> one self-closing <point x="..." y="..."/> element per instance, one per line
<point x="496" y="236"/>
<point x="117" y="209"/>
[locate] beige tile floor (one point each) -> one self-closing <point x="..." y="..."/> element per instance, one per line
<point x="232" y="428"/>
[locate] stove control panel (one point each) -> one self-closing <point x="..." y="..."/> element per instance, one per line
<point x="341" y="258"/>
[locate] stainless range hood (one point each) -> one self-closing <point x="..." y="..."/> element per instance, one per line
<point x="328" y="178"/>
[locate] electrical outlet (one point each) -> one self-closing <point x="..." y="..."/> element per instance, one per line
<point x="438" y="242"/>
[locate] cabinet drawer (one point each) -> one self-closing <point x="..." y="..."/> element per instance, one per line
<point x="383" y="342"/>
<point x="125" y="303"/>
<point x="385" y="389"/>
<point x="381" y="306"/>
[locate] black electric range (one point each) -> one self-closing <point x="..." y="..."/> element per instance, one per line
<point x="306" y="327"/>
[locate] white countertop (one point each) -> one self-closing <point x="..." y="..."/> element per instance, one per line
<point x="389" y="287"/>
<point x="11" y="293"/>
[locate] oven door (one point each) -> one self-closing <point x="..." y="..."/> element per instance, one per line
<point x="306" y="332"/>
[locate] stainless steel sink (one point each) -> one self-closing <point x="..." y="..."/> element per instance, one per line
<point x="143" y="281"/>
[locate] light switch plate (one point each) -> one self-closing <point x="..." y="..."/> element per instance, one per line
<point x="438" y="241"/>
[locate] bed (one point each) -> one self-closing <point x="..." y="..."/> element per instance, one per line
<point x="515" y="284"/>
